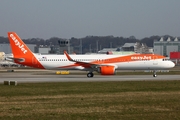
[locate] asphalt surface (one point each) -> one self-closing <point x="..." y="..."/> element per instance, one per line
<point x="37" y="76"/>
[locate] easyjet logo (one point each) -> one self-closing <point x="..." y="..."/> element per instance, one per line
<point x="17" y="43"/>
<point x="141" y="57"/>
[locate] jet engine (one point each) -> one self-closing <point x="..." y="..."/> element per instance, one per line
<point x="106" y="70"/>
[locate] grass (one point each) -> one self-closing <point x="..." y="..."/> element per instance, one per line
<point x="157" y="100"/>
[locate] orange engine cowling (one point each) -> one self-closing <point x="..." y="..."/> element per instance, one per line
<point x="106" y="70"/>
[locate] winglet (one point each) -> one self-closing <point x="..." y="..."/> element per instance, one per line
<point x="68" y="57"/>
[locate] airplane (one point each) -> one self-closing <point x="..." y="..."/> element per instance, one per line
<point x="103" y="64"/>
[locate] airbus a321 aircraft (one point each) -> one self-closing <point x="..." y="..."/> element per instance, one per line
<point x="103" y="64"/>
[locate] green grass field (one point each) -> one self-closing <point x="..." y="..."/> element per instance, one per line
<point x="140" y="100"/>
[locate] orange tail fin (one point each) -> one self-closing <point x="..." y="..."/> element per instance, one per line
<point x="19" y="48"/>
<point x="21" y="51"/>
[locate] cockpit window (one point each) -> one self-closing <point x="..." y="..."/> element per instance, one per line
<point x="166" y="59"/>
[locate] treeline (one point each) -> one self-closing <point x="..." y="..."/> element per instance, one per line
<point x="91" y="42"/>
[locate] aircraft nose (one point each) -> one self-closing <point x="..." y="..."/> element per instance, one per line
<point x="171" y="64"/>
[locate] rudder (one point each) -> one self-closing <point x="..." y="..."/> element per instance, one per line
<point x="18" y="47"/>
<point x="22" y="52"/>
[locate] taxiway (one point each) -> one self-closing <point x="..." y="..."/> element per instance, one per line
<point x="32" y="77"/>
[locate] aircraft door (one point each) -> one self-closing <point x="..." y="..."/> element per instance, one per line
<point x="155" y="62"/>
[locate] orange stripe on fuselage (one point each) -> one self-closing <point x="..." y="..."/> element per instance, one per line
<point x="128" y="58"/>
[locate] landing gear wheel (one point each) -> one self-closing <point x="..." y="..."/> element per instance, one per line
<point x="154" y="75"/>
<point x="90" y="75"/>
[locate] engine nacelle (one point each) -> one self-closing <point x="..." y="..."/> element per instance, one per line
<point x="107" y="70"/>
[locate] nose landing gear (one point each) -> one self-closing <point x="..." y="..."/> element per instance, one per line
<point x="154" y="73"/>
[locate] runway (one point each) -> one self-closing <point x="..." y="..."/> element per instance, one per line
<point x="29" y="77"/>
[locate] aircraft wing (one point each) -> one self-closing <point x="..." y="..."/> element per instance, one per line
<point x="83" y="64"/>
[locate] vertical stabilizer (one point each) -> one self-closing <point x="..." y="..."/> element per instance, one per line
<point x="18" y="47"/>
<point x="22" y="54"/>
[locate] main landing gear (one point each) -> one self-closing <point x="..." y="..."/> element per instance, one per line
<point x="90" y="74"/>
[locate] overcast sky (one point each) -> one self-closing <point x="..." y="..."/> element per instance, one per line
<point x="81" y="18"/>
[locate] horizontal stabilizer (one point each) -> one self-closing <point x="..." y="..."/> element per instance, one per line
<point x="18" y="59"/>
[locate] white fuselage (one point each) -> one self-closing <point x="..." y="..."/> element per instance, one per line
<point x="59" y="61"/>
